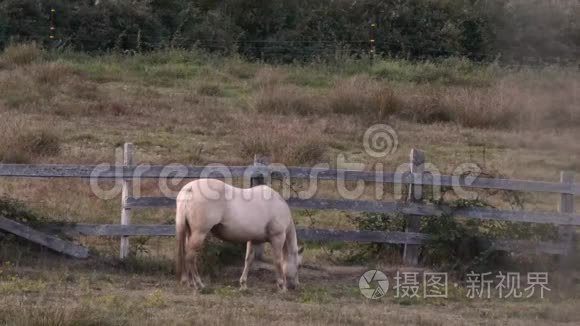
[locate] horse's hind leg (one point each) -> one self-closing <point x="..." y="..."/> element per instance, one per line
<point x="194" y="246"/>
<point x="277" y="243"/>
<point x="247" y="264"/>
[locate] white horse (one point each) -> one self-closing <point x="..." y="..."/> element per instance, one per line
<point x="254" y="216"/>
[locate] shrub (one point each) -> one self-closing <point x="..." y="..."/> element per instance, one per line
<point x="289" y="31"/>
<point x="450" y="71"/>
<point x="209" y="90"/>
<point x="269" y="76"/>
<point x="18" y="211"/>
<point x="18" y="145"/>
<point x="51" y="74"/>
<point x="41" y="143"/>
<point x="363" y="97"/>
<point x="287" y="99"/>
<point x="457" y="245"/>
<point x="495" y="107"/>
<point x="21" y="54"/>
<point x="286" y="141"/>
<point x="217" y="253"/>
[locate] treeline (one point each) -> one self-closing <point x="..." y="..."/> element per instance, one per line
<point x="285" y="30"/>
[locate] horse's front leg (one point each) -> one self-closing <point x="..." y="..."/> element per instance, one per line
<point x="247" y="265"/>
<point x="278" y="252"/>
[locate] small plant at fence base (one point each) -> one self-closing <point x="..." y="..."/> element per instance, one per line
<point x="19" y="212"/>
<point x="456" y="244"/>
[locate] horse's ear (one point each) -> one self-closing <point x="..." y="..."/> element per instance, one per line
<point x="300" y="250"/>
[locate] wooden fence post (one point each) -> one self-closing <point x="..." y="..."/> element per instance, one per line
<point x="411" y="251"/>
<point x="259" y="160"/>
<point x="127" y="192"/>
<point x="567" y="232"/>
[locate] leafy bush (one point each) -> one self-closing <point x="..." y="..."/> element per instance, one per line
<point x="217" y="254"/>
<point x="299" y="30"/>
<point x="18" y="211"/>
<point x="458" y="245"/>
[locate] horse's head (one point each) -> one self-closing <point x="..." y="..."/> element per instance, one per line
<point x="291" y="268"/>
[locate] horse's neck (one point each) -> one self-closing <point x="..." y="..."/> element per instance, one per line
<point x="291" y="240"/>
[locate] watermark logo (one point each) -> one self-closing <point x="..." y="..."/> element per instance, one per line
<point x="509" y="285"/>
<point x="373" y="284"/>
<point x="380" y="141"/>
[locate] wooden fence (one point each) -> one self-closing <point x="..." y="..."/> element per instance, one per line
<point x="566" y="219"/>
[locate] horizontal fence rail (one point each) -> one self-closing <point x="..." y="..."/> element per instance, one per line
<point x="565" y="218"/>
<point x="303" y="234"/>
<point x="106" y="171"/>
<point x="394" y="207"/>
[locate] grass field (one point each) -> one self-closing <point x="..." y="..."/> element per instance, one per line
<point x="195" y="108"/>
<point x="47" y="290"/>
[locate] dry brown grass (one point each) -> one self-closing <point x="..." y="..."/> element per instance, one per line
<point x="45" y="87"/>
<point x="49" y="290"/>
<point x="20" y="54"/>
<point x="19" y="143"/>
<point x="269" y="76"/>
<point x="208" y="89"/>
<point x="510" y="103"/>
<point x="364" y="97"/>
<point x="357" y="96"/>
<point x="287" y="99"/>
<point x="287" y="140"/>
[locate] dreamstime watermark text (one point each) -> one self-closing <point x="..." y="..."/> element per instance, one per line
<point x="350" y="177"/>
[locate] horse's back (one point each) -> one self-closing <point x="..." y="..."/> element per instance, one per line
<point x="256" y="212"/>
<point x="235" y="214"/>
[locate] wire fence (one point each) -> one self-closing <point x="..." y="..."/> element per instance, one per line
<point x="301" y="50"/>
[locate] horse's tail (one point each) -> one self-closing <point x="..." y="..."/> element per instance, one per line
<point x="181" y="232"/>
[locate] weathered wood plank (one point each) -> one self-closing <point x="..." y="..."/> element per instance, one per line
<point x="116" y="230"/>
<point x="144" y="171"/>
<point x="150" y="202"/>
<point x="126" y="193"/>
<point x="415" y="195"/>
<point x="394" y="207"/>
<point x="517" y="216"/>
<point x="111" y="230"/>
<point x="108" y="171"/>
<point x="531" y="247"/>
<point x="362" y="236"/>
<point x="429" y="179"/>
<point x="566" y="232"/>
<point x="46" y="240"/>
<point x="345" y="205"/>
<point x="303" y="234"/>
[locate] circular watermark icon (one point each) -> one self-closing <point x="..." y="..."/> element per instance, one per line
<point x="380" y="140"/>
<point x="373" y="284"/>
